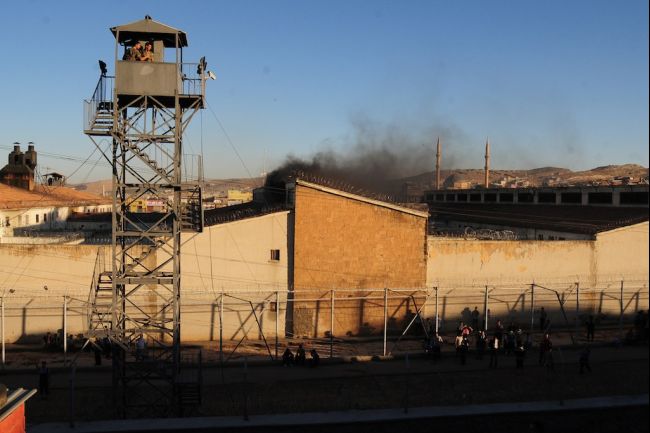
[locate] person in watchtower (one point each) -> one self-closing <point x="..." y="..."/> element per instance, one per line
<point x="147" y="55"/>
<point x="135" y="52"/>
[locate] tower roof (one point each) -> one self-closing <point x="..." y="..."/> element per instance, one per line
<point x="149" y="28"/>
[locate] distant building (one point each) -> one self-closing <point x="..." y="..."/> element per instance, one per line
<point x="19" y="171"/>
<point x="236" y="196"/>
<point x="28" y="208"/>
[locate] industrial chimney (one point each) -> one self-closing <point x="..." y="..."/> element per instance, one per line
<point x="487" y="163"/>
<point x="438" y="155"/>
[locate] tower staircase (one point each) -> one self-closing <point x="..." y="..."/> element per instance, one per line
<point x="98" y="110"/>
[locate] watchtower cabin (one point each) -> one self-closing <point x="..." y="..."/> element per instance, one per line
<point x="167" y="78"/>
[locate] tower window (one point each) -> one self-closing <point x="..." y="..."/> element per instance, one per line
<point x="275" y="255"/>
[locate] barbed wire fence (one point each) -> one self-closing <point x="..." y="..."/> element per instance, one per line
<point x="338" y="320"/>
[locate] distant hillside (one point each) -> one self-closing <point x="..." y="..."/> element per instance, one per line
<point x="534" y="177"/>
<point x="423" y="181"/>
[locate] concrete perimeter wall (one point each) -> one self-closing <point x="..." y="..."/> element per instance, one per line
<point x="465" y="267"/>
<point x="241" y="266"/>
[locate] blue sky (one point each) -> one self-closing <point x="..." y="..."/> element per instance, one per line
<point x="551" y="83"/>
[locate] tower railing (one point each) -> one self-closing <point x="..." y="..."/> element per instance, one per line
<point x="192" y="79"/>
<point x="101" y="100"/>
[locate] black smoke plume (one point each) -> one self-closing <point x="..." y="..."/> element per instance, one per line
<point x="376" y="160"/>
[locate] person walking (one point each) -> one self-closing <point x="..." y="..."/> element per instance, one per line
<point x="545" y="348"/>
<point x="543" y="318"/>
<point x="44" y="380"/>
<point x="498" y="332"/>
<point x="481" y="344"/>
<point x="591" y="328"/>
<point x="287" y="358"/>
<point x="464" y="349"/>
<point x="301" y="355"/>
<point x="140" y="348"/>
<point x="493" y="344"/>
<point x="475" y="319"/>
<point x="315" y="358"/>
<point x="520" y="354"/>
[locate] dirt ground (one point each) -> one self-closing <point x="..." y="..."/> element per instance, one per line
<point x="23" y="356"/>
<point x="270" y="388"/>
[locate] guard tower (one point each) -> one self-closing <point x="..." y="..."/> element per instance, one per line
<point x="137" y="118"/>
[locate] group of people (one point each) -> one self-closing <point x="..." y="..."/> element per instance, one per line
<point x="300" y="357"/>
<point x="509" y="341"/>
<point x="139" y="54"/>
<point x="54" y="341"/>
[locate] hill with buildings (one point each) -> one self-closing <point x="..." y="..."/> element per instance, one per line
<point x="537" y="177"/>
<point x="450" y="179"/>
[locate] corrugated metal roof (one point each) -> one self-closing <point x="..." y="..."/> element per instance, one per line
<point x="147" y="29"/>
<point x="570" y="219"/>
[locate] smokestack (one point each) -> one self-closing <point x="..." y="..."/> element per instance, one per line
<point x="438" y="155"/>
<point x="487" y="163"/>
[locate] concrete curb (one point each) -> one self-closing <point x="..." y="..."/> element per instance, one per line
<point x="341" y="417"/>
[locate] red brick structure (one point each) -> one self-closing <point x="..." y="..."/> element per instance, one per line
<point x="19" y="171"/>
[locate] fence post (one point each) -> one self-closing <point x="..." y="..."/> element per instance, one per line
<point x="577" y="309"/>
<point x="65" y="330"/>
<point x="277" y="322"/>
<point x="406" y="390"/>
<point x="532" y="307"/>
<point x="385" y="317"/>
<point x="332" y="323"/>
<point x="71" y="408"/>
<point x="221" y="331"/>
<point x="2" y="307"/>
<point x="437" y="316"/>
<point x="620" y="318"/>
<point x="485" y="312"/>
<point x="245" y="388"/>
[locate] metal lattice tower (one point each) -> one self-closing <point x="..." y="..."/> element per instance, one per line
<point x="146" y="108"/>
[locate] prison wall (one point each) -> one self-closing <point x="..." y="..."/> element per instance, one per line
<point x="580" y="277"/>
<point x="33" y="282"/>
<point x="248" y="261"/>
<point x="234" y="258"/>
<point x="340" y="242"/>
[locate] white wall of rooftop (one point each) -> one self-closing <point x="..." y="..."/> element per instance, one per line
<point x="41" y="218"/>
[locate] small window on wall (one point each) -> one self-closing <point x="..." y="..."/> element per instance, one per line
<point x="45" y="217"/>
<point x="7" y="222"/>
<point x="37" y="218"/>
<point x="275" y="255"/>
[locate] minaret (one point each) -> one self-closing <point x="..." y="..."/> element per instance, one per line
<point x="438" y="155"/>
<point x="487" y="163"/>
